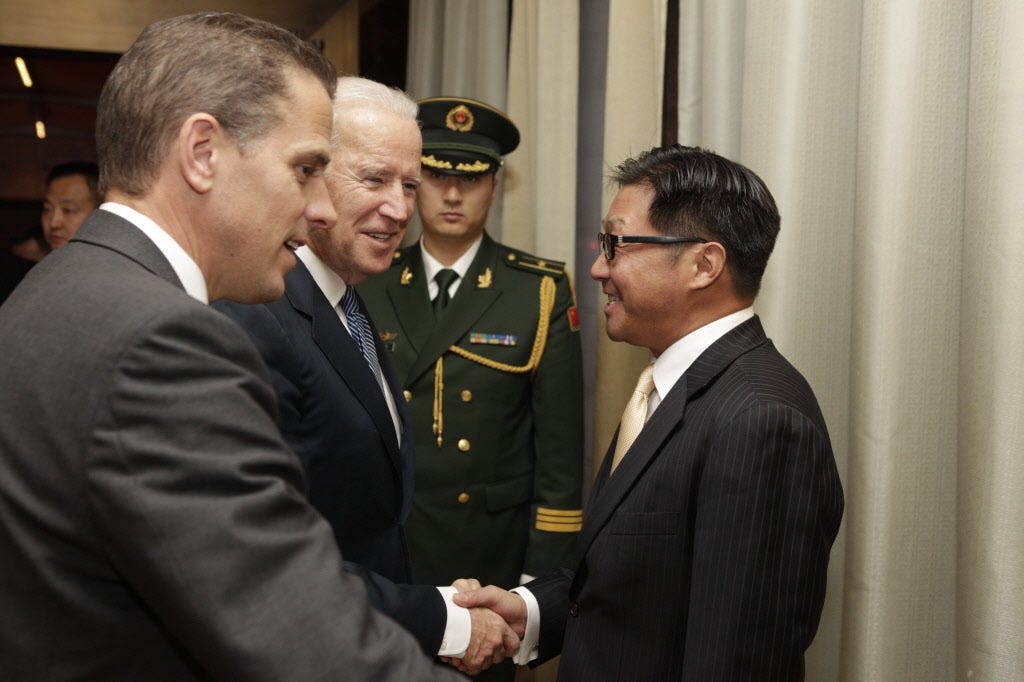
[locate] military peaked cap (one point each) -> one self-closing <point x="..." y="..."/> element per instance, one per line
<point x="464" y="136"/>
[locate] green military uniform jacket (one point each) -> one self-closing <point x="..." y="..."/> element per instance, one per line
<point x="497" y="418"/>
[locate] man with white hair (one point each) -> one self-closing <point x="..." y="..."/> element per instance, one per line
<point x="341" y="404"/>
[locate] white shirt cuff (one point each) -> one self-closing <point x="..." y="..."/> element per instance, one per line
<point x="457" y="628"/>
<point x="528" y="646"/>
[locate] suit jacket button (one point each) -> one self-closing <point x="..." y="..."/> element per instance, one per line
<point x="408" y="396"/>
<point x="574" y="609"/>
<point x="463" y="498"/>
<point x="466" y="395"/>
<point x="463" y="445"/>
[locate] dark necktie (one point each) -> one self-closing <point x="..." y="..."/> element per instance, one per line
<point x="359" y="327"/>
<point x="444" y="278"/>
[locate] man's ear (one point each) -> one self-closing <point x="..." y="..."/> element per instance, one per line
<point x="710" y="264"/>
<point x="199" y="140"/>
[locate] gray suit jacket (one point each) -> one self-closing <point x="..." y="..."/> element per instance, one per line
<point x="703" y="557"/>
<point x="151" y="517"/>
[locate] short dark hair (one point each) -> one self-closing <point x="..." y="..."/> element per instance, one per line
<point x="228" y="65"/>
<point x="698" y="193"/>
<point x="87" y="169"/>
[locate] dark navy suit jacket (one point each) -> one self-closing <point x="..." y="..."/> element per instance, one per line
<point x="334" y="415"/>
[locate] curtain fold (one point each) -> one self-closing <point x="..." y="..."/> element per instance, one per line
<point x="990" y="485"/>
<point x="900" y="610"/>
<point x="540" y="177"/>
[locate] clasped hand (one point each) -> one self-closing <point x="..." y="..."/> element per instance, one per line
<point x="498" y="620"/>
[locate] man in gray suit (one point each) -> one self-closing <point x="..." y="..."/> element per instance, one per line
<point x="152" y="519"/>
<point x="706" y="539"/>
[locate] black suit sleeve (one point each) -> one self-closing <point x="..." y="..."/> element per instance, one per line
<point x="551" y="591"/>
<point x="420" y="609"/>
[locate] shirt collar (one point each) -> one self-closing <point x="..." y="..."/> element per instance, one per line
<point x="678" y="357"/>
<point x="329" y="282"/>
<point x="184" y="267"/>
<point x="431" y="265"/>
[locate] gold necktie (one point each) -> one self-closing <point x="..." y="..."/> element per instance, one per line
<point x="635" y="414"/>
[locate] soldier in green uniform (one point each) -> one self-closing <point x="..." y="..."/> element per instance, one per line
<point x="485" y="340"/>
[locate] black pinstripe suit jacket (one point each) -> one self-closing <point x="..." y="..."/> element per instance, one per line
<point x="703" y="557"/>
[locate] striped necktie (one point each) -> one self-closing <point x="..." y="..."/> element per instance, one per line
<point x="359" y="327"/>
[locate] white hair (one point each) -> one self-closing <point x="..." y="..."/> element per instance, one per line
<point x="356" y="92"/>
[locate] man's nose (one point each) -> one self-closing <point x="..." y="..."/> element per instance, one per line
<point x="320" y="213"/>
<point x="599" y="269"/>
<point x="397" y="206"/>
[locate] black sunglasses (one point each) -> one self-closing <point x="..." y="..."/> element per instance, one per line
<point x="607" y="242"/>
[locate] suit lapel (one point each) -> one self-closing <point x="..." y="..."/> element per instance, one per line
<point x="610" y="490"/>
<point x="469" y="304"/>
<point x="341" y="351"/>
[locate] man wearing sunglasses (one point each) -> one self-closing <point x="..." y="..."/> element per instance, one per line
<point x="706" y="539"/>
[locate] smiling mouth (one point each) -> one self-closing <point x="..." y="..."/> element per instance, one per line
<point x="380" y="236"/>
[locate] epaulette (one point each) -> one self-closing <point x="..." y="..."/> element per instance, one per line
<point x="529" y="263"/>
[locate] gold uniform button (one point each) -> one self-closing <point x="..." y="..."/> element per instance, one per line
<point x="408" y="396"/>
<point x="463" y="498"/>
<point x="463" y="445"/>
<point x="466" y="395"/>
<point x="511" y="256"/>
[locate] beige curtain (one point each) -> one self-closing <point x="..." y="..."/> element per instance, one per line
<point x="540" y="178"/>
<point x="990" y="473"/>
<point x="890" y="135"/>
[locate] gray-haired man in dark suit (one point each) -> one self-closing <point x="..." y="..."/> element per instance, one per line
<point x="151" y="517"/>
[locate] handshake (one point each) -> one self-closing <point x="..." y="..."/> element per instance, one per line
<point x="498" y="621"/>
